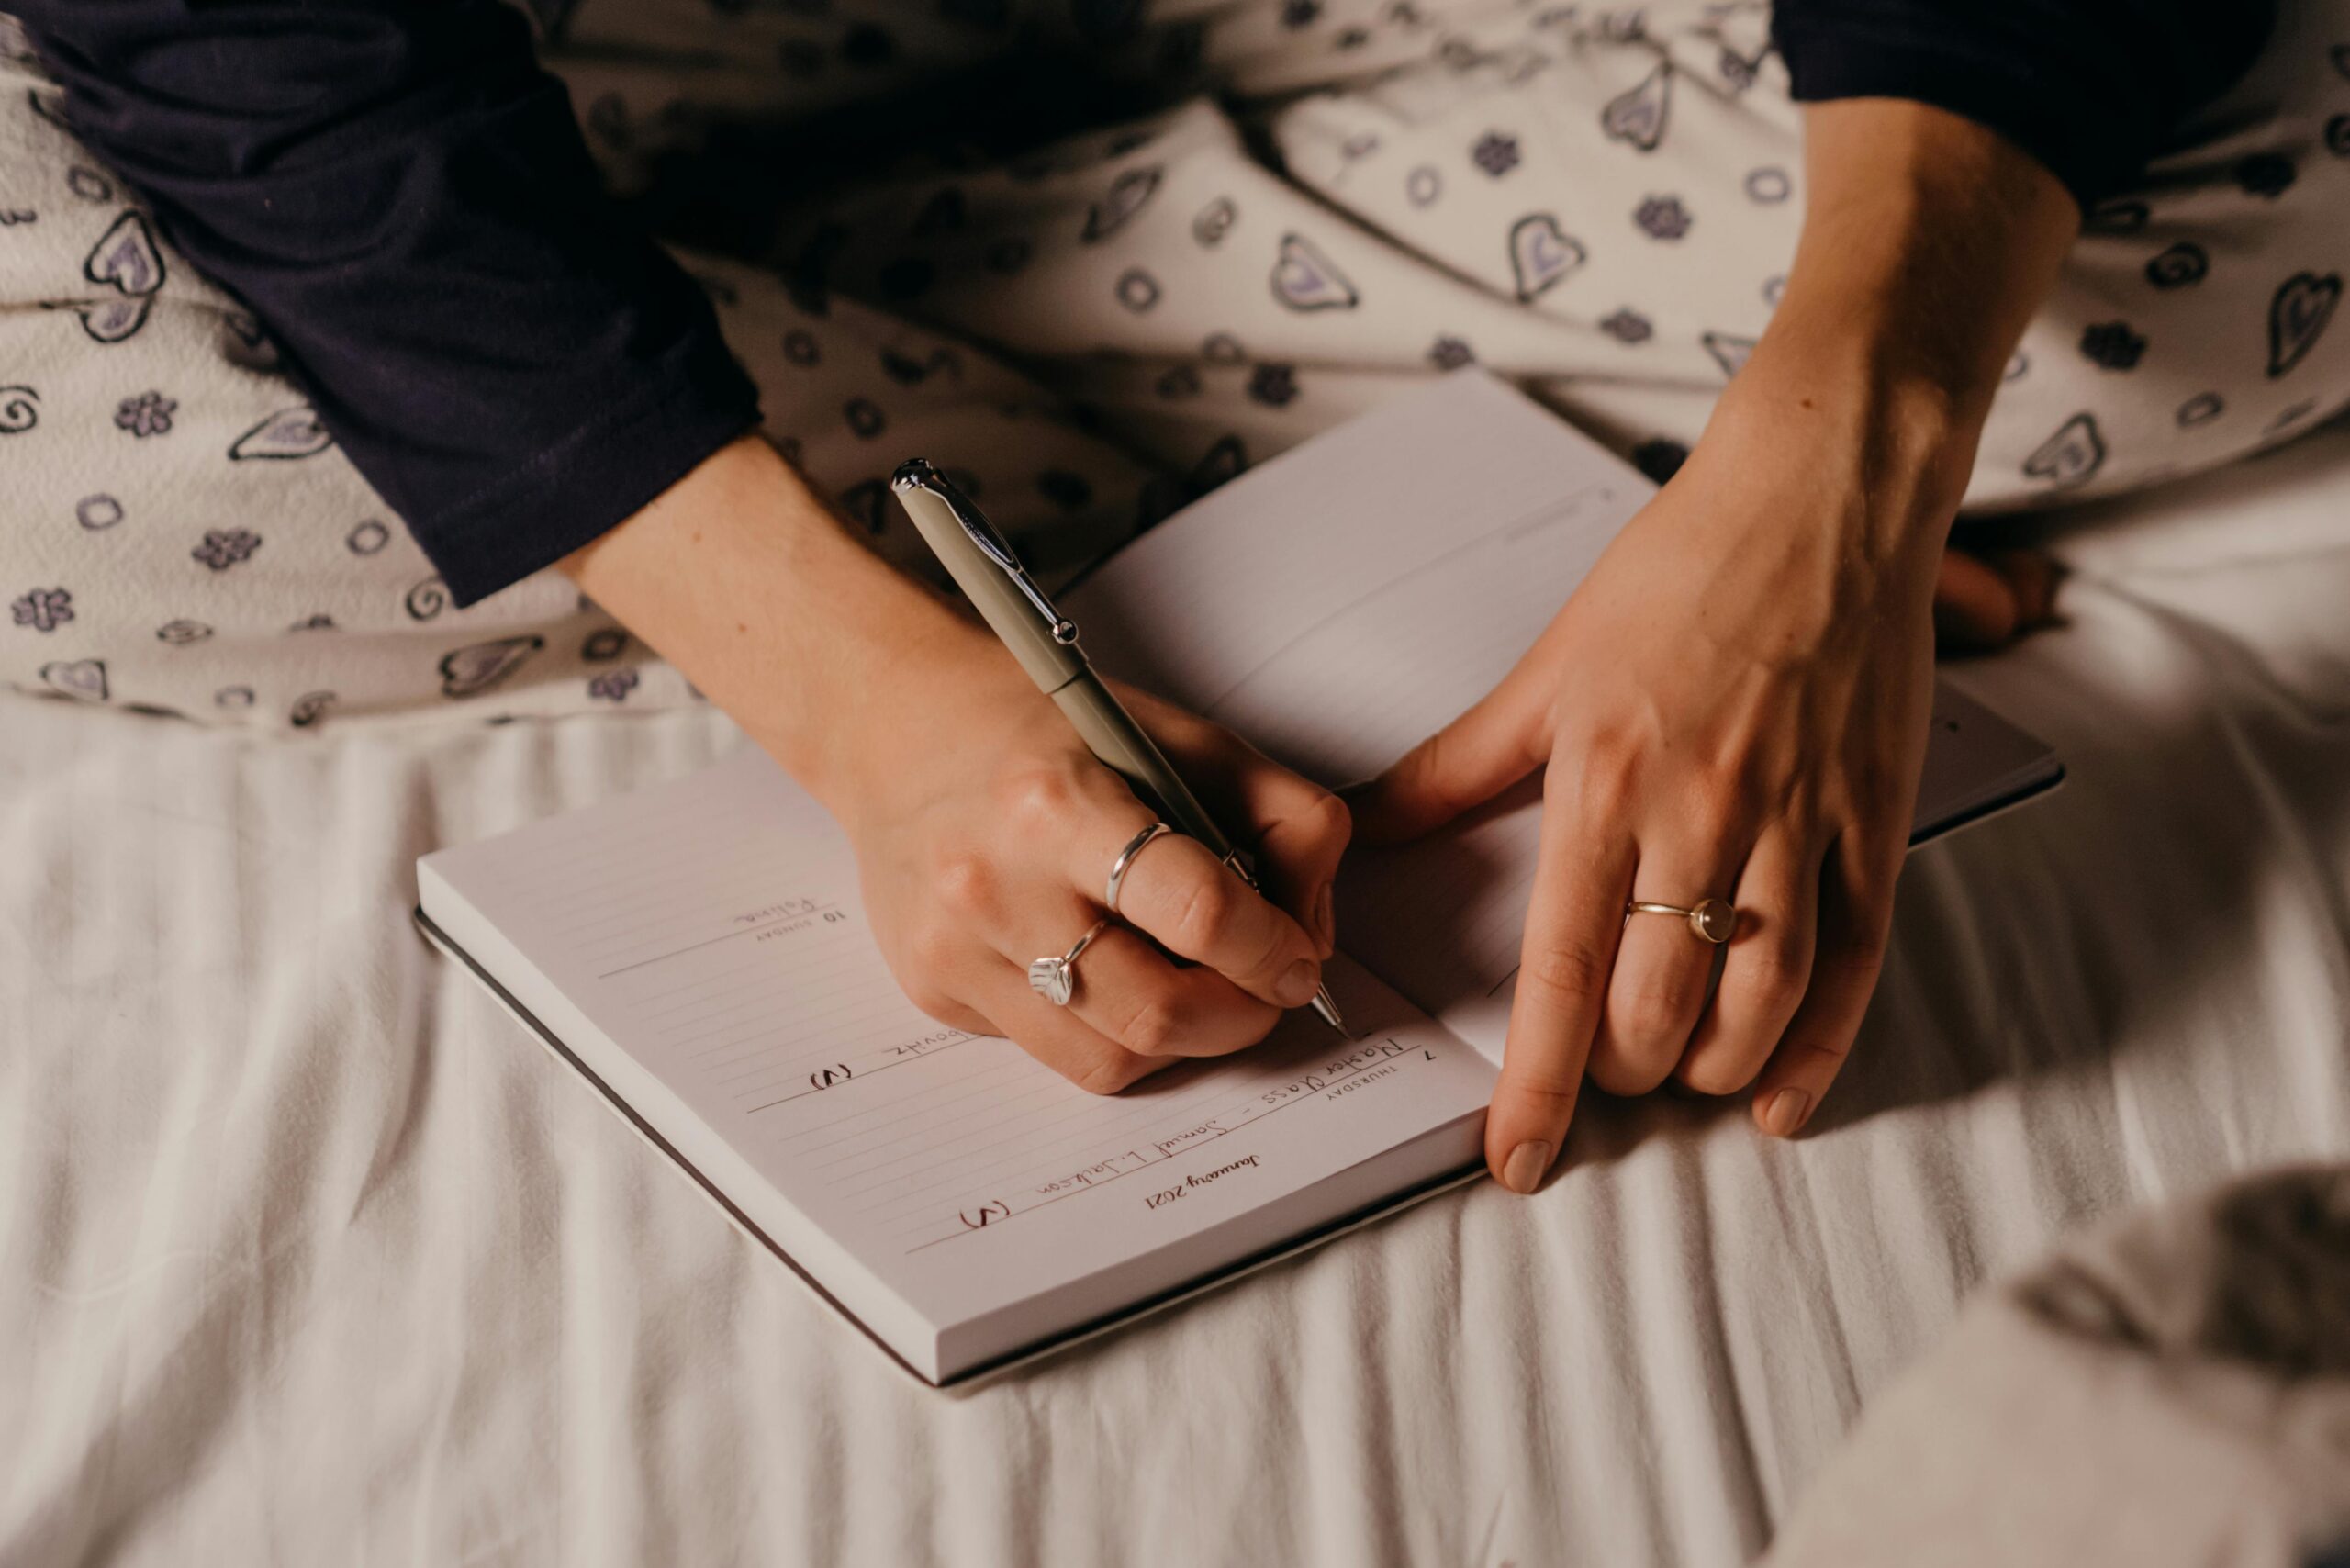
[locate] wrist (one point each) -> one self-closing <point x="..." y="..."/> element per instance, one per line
<point x="741" y="576"/>
<point x="1856" y="442"/>
<point x="1928" y="241"/>
<point x="838" y="717"/>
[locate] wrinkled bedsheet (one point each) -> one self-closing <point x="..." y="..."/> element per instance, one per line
<point x="308" y="1254"/>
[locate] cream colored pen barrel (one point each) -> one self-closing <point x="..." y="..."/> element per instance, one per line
<point x="1050" y="664"/>
<point x="1055" y="663"/>
<point x="1111" y="734"/>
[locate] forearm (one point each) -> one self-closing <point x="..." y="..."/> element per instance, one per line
<point x="742" y="578"/>
<point x="1928" y="243"/>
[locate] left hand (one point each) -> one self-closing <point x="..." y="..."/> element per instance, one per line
<point x="1732" y="705"/>
<point x="1985" y="598"/>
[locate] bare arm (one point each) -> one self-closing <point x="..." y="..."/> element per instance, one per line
<point x="1734" y="703"/>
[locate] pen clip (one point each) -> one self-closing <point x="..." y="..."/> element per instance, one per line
<point x="920" y="473"/>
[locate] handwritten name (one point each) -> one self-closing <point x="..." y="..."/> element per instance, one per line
<point x="1336" y="1069"/>
<point x="931" y="1041"/>
<point x="768" y="911"/>
<point x="1189" y="1183"/>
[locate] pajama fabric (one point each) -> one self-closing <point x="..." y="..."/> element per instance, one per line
<point x="1599" y="204"/>
<point x="402" y="195"/>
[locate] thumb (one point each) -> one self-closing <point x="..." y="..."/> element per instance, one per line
<point x="1976" y="606"/>
<point x="2035" y="576"/>
<point x="1465" y="764"/>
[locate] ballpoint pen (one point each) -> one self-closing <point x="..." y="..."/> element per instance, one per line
<point x="983" y="565"/>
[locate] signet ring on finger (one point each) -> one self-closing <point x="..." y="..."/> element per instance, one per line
<point x="1710" y="920"/>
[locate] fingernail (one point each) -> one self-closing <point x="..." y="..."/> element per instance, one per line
<point x="1784" y="1116"/>
<point x="1295" y="988"/>
<point x="1522" y="1172"/>
<point x="1326" y="919"/>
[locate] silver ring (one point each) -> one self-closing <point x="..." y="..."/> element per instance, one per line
<point x="1054" y="979"/>
<point x="1710" y="920"/>
<point x="1126" y="860"/>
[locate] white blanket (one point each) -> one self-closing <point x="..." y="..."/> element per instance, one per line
<point x="310" y="1255"/>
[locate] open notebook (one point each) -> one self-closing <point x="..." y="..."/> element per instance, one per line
<point x="698" y="950"/>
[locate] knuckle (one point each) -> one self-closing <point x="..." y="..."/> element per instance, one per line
<point x="1663" y="1005"/>
<point x="1109" y="1072"/>
<point x="1720" y="805"/>
<point x="1655" y="1015"/>
<point x="1269" y="949"/>
<point x="1327" y="820"/>
<point x="1604" y="781"/>
<point x="1720" y="1072"/>
<point x="1796" y="808"/>
<point x="1428" y="767"/>
<point x="1630" y="1072"/>
<point x="1038" y="798"/>
<point x="1540" y="1085"/>
<point x="1819" y="1055"/>
<point x="964" y="882"/>
<point x="1568" y="969"/>
<point x="1206" y="906"/>
<point x="1154" y="1028"/>
<point x="1778" y="976"/>
<point x="1716" y="787"/>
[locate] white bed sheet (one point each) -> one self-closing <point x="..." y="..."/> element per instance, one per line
<point x="308" y="1255"/>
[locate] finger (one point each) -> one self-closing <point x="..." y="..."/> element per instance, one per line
<point x="1056" y="1038"/>
<point x="1766" y="969"/>
<point x="2033" y="575"/>
<point x="1300" y="829"/>
<point x="1193" y="905"/>
<point x="1581" y="878"/>
<point x="1128" y="993"/>
<point x="1974" y="607"/>
<point x="1855" y="914"/>
<point x="1484" y="751"/>
<point x="1657" y="988"/>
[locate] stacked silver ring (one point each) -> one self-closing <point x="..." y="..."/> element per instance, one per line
<point x="1125" y="862"/>
<point x="1054" y="976"/>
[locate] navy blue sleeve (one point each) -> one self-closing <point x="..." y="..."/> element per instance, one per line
<point x="402" y="197"/>
<point x="2091" y="88"/>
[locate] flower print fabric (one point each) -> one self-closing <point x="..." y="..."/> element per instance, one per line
<point x="1605" y="198"/>
<point x="43" y="609"/>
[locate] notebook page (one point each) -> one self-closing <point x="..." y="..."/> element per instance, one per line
<point x="1344" y="601"/>
<point x="712" y="935"/>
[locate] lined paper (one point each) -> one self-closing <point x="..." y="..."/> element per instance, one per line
<point x="714" y="930"/>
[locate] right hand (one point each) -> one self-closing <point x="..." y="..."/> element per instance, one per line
<point x="985" y="829"/>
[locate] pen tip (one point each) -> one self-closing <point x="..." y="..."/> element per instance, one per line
<point x="1328" y="1009"/>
